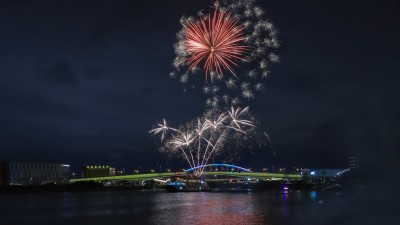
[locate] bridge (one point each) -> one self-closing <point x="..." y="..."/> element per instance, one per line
<point x="240" y="173"/>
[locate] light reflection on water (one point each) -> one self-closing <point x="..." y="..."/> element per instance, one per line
<point x="209" y="208"/>
<point x="153" y="207"/>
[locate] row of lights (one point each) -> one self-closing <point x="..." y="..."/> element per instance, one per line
<point x="284" y="169"/>
<point x="97" y="167"/>
<point x="169" y="170"/>
<point x="153" y="171"/>
<point x="294" y="168"/>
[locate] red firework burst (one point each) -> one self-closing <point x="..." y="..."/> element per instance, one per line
<point x="216" y="40"/>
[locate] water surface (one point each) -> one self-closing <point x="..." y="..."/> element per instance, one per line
<point x="156" y="207"/>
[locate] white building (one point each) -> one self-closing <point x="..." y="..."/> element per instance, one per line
<point x="22" y="173"/>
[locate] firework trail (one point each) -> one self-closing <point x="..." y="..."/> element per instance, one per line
<point x="233" y="46"/>
<point x="206" y="136"/>
<point x="270" y="142"/>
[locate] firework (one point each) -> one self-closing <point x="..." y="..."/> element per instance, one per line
<point x="233" y="44"/>
<point x="206" y="136"/>
<point x="216" y="41"/>
<point x="162" y="128"/>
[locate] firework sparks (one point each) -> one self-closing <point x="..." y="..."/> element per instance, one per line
<point x="233" y="38"/>
<point x="259" y="87"/>
<point x="247" y="94"/>
<point x="235" y="115"/>
<point x="231" y="83"/>
<point x="197" y="141"/>
<point x="216" y="41"/>
<point x="162" y="128"/>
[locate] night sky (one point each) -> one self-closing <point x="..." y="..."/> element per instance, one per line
<point x="82" y="82"/>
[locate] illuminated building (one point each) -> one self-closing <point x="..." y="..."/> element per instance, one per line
<point x="26" y="173"/>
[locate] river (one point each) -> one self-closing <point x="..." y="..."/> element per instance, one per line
<point x="160" y="207"/>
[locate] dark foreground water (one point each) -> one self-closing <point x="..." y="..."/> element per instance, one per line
<point x="160" y="207"/>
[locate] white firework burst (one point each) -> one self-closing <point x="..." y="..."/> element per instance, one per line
<point x="163" y="129"/>
<point x="245" y="85"/>
<point x="231" y="83"/>
<point x="215" y="89"/>
<point x="263" y="64"/>
<point x="206" y="90"/>
<point x="172" y="74"/>
<point x="205" y="136"/>
<point x="252" y="74"/>
<point x="259" y="87"/>
<point x="265" y="74"/>
<point x="226" y="98"/>
<point x="184" y="78"/>
<point x="236" y="101"/>
<point x="258" y="11"/>
<point x="247" y="94"/>
<point x="273" y="57"/>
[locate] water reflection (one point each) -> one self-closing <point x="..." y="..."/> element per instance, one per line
<point x="155" y="207"/>
<point x="285" y="195"/>
<point x="313" y="195"/>
<point x="210" y="208"/>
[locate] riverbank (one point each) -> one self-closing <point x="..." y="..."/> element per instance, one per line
<point x="67" y="188"/>
<point x="95" y="186"/>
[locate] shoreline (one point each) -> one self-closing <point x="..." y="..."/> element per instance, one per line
<point x="32" y="189"/>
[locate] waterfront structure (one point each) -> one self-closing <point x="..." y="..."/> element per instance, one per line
<point x="27" y="173"/>
<point x="324" y="174"/>
<point x="98" y="171"/>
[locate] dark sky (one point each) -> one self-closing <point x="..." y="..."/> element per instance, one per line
<point x="82" y="82"/>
